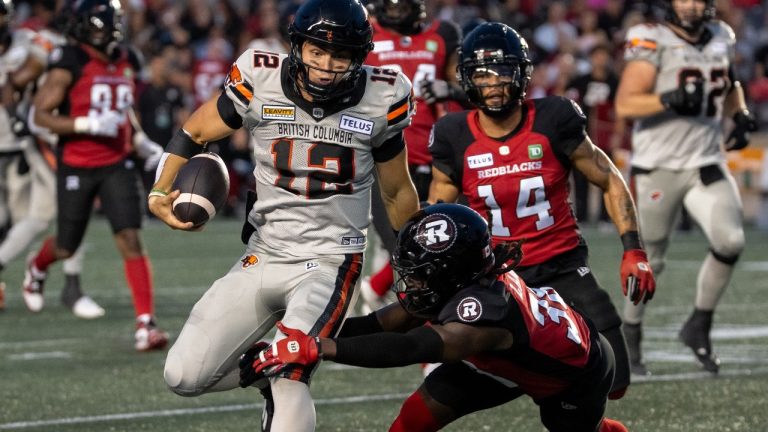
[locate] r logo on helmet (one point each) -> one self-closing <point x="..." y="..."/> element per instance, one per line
<point x="436" y="233"/>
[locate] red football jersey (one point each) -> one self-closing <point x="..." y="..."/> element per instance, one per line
<point x="208" y="77"/>
<point x="420" y="56"/>
<point x="98" y="86"/>
<point x="552" y="343"/>
<point x="519" y="183"/>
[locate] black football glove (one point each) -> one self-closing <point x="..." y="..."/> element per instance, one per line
<point x="685" y="100"/>
<point x="247" y="375"/>
<point x="739" y="137"/>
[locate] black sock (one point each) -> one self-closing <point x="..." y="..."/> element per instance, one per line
<point x="71" y="292"/>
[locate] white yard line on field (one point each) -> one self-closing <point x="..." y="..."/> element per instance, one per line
<point x="187" y="411"/>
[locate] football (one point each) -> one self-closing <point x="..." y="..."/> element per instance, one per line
<point x="204" y="185"/>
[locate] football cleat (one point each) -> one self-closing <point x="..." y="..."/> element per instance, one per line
<point x="695" y="335"/>
<point x="32" y="287"/>
<point x="149" y="337"/>
<point x="633" y="334"/>
<point x="372" y="301"/>
<point x="86" y="308"/>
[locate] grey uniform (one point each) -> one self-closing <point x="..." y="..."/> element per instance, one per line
<point x="40" y="192"/>
<point x="314" y="171"/>
<point x="14" y="177"/>
<point x="678" y="160"/>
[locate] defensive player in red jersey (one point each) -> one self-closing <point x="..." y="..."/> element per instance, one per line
<point x="498" y="339"/>
<point x="512" y="159"/>
<point x="85" y="99"/>
<point x="424" y="51"/>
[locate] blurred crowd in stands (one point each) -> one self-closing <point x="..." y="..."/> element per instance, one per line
<point x="576" y="46"/>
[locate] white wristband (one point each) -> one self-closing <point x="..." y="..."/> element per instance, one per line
<point x="82" y="125"/>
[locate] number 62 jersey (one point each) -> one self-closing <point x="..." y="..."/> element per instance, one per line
<point x="519" y="182"/>
<point x="314" y="162"/>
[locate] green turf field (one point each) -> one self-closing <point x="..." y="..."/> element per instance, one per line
<point x="58" y="373"/>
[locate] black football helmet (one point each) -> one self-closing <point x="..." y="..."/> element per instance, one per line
<point x="6" y="17"/>
<point x="691" y="24"/>
<point x="335" y="25"/>
<point x="403" y="16"/>
<point x="496" y="49"/>
<point x="97" y="23"/>
<point x="439" y="251"/>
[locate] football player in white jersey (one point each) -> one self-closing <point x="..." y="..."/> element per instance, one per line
<point x="23" y="63"/>
<point x="322" y="122"/>
<point x="678" y="85"/>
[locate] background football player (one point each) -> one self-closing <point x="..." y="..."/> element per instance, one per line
<point x="322" y="122"/>
<point x="512" y="159"/>
<point x="678" y="84"/>
<point x="424" y="52"/>
<point x="28" y="57"/>
<point x="498" y="339"/>
<point x="85" y="99"/>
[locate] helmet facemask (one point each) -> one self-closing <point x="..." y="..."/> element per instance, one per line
<point x="414" y="288"/>
<point x="343" y="81"/>
<point x="502" y="78"/>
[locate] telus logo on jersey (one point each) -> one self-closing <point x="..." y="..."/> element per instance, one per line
<point x="355" y="124"/>
<point x="480" y="161"/>
<point x="435" y="233"/>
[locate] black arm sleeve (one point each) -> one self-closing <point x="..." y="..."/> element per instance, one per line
<point x="359" y="326"/>
<point x="382" y="350"/>
<point x="228" y="113"/>
<point x="390" y="148"/>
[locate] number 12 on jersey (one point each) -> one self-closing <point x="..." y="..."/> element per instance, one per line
<point x="538" y="207"/>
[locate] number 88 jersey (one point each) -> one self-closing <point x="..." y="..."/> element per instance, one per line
<point x="518" y="182"/>
<point x="314" y="162"/>
<point x="668" y="140"/>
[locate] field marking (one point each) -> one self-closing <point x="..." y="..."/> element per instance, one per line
<point x="687" y="376"/>
<point x="188" y="411"/>
<point x="40" y="355"/>
<point x="750" y="266"/>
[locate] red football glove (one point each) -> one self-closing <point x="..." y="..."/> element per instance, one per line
<point x="296" y="348"/>
<point x="636" y="276"/>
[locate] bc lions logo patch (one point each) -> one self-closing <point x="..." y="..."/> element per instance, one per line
<point x="249" y="260"/>
<point x="435" y="233"/>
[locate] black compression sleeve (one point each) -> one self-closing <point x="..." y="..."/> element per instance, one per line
<point x="382" y="350"/>
<point x="359" y="326"/>
<point x="183" y="145"/>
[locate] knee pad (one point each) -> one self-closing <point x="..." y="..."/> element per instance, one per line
<point x="174" y="377"/>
